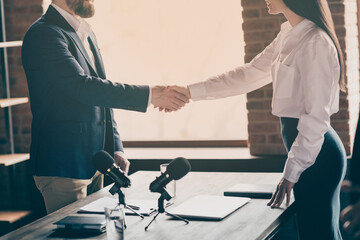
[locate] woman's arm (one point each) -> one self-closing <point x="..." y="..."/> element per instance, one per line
<point x="320" y="72"/>
<point x="244" y="79"/>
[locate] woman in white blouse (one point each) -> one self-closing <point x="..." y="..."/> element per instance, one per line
<point x="304" y="64"/>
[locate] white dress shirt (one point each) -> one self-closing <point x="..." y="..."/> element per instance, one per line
<point x="302" y="63"/>
<point x="81" y="27"/>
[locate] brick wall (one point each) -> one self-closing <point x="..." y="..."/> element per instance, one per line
<point x="19" y="14"/>
<point x="260" y="29"/>
<point x="345" y="18"/>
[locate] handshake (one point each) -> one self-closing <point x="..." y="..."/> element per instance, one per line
<point x="169" y="98"/>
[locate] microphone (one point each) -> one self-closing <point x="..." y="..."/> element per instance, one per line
<point x="106" y="165"/>
<point x="176" y="169"/>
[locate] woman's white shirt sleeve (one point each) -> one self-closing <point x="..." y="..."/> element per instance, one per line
<point x="244" y="79"/>
<point x="320" y="73"/>
<point x="305" y="72"/>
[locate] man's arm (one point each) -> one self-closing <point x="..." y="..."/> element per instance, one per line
<point x="46" y="53"/>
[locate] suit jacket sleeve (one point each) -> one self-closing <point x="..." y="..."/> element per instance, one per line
<point x="47" y="48"/>
<point x="117" y="140"/>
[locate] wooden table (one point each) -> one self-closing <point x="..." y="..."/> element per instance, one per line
<point x="253" y="221"/>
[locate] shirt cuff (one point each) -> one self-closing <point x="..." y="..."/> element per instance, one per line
<point x="122" y="154"/>
<point x="197" y="91"/>
<point x="292" y="171"/>
<point x="150" y="94"/>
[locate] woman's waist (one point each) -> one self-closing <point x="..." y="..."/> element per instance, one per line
<point x="289" y="126"/>
<point x="294" y="108"/>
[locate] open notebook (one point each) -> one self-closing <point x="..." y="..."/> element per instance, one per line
<point x="208" y="207"/>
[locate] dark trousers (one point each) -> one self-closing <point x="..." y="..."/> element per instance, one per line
<point x="317" y="193"/>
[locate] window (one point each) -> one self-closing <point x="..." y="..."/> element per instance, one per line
<point x="174" y="42"/>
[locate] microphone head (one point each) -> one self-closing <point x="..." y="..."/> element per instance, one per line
<point x="178" y="168"/>
<point x="102" y="161"/>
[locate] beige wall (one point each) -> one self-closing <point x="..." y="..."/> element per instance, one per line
<point x="173" y="42"/>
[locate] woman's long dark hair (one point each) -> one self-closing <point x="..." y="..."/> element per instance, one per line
<point x="318" y="12"/>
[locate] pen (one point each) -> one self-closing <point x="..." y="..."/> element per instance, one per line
<point x="133" y="207"/>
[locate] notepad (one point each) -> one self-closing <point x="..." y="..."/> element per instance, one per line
<point x="263" y="191"/>
<point x="82" y="223"/>
<point x="209" y="207"/>
<point x="146" y="207"/>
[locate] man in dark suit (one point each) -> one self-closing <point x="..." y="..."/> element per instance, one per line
<point x="71" y="102"/>
<point x="351" y="214"/>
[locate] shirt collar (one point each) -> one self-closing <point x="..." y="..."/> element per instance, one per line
<point x="81" y="27"/>
<point x="299" y="29"/>
<point x="285" y="26"/>
<point x="292" y="36"/>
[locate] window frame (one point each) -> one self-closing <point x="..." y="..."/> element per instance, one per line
<point x="186" y="144"/>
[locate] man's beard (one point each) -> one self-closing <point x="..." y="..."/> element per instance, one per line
<point x="80" y="9"/>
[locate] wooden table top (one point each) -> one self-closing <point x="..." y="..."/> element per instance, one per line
<point x="255" y="220"/>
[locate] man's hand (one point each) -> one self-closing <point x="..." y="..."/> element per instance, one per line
<point x="283" y="189"/>
<point x="184" y="90"/>
<point x="350" y="216"/>
<point x="122" y="161"/>
<point x="168" y="98"/>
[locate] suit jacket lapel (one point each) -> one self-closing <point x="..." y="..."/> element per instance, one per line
<point x="98" y="59"/>
<point x="81" y="47"/>
<point x="54" y="17"/>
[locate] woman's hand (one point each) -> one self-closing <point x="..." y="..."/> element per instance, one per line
<point x="283" y="188"/>
<point x="180" y="90"/>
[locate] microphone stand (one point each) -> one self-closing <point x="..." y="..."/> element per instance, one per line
<point x="117" y="189"/>
<point x="164" y="196"/>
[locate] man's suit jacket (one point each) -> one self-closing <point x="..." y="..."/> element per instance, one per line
<point x="70" y="98"/>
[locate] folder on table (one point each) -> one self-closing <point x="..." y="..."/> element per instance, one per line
<point x="83" y="223"/>
<point x="263" y="191"/>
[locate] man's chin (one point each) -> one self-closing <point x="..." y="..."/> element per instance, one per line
<point x="87" y="12"/>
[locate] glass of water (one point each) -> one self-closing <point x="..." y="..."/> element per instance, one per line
<point x="115" y="223"/>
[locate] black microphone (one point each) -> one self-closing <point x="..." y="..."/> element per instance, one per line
<point x="176" y="169"/>
<point x="106" y="165"/>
